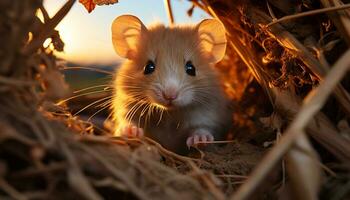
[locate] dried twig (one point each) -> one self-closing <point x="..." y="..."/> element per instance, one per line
<point x="172" y="154"/>
<point x="76" y="177"/>
<point x="211" y="186"/>
<point x="231" y="176"/>
<point x="308" y="13"/>
<point x="11" y="191"/>
<point x="116" y="173"/>
<point x="169" y="10"/>
<point x="49" y="28"/>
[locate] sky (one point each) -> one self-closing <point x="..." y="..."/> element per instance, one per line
<point x="87" y="36"/>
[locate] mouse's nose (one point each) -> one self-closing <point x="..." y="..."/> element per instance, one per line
<point x="169" y="95"/>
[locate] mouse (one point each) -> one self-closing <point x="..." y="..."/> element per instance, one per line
<point x="167" y="88"/>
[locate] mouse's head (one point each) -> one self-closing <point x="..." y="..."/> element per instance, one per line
<point x="169" y="66"/>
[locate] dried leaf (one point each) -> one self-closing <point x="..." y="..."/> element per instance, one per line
<point x="91" y="4"/>
<point x="105" y="2"/>
<point x="57" y="41"/>
<point x="88" y="4"/>
<point x="190" y="11"/>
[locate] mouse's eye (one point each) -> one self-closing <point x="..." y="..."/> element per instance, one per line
<point x="190" y="69"/>
<point x="149" y="67"/>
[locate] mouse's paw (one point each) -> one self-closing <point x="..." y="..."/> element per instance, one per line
<point x="199" y="136"/>
<point x="130" y="131"/>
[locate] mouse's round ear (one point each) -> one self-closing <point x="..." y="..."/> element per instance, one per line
<point x="213" y="39"/>
<point x="126" y="32"/>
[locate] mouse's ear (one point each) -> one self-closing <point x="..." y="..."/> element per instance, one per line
<point x="126" y="32"/>
<point x="213" y="39"/>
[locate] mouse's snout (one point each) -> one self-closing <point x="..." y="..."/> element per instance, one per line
<point x="170" y="94"/>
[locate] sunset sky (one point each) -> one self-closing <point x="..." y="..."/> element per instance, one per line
<point x="88" y="36"/>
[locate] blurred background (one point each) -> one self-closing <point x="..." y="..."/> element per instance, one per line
<point x="87" y="36"/>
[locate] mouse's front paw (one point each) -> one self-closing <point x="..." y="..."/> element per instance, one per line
<point x="199" y="136"/>
<point x="130" y="131"/>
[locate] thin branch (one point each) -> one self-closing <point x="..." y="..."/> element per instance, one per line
<point x="218" y="194"/>
<point x="231" y="176"/>
<point x="308" y="13"/>
<point x="211" y="10"/>
<point x="169" y="10"/>
<point x="48" y="28"/>
<point x="218" y="142"/>
<point x="172" y="154"/>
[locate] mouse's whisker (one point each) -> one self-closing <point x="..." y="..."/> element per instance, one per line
<point x="204" y="103"/>
<point x="109" y="116"/>
<point x="154" y="108"/>
<point x="204" y="97"/>
<point x="128" y="114"/>
<point x="91" y="104"/>
<point x="105" y="103"/>
<point x="133" y="97"/>
<point x="144" y="110"/>
<point x="133" y="101"/>
<point x="137" y="99"/>
<point x="126" y="76"/>
<point x="204" y="81"/>
<point x="205" y="94"/>
<point x="160" y="116"/>
<point x="205" y="85"/>
<point x="105" y="87"/>
<point x="139" y="105"/>
<point x="133" y="92"/>
<point x="80" y="95"/>
<point x="98" y="111"/>
<point x="150" y="112"/>
<point x="130" y="86"/>
<point x="131" y="112"/>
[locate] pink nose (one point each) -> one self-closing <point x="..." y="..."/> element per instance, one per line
<point x="169" y="95"/>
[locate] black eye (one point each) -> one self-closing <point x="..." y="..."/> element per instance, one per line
<point x="149" y="67"/>
<point x="190" y="69"/>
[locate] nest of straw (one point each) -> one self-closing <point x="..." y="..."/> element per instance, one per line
<point x="288" y="147"/>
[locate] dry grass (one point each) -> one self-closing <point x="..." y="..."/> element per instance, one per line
<point x="292" y="64"/>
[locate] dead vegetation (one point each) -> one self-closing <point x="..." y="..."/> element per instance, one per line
<point x="284" y="70"/>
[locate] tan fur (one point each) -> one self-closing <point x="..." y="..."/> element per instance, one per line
<point x="201" y="104"/>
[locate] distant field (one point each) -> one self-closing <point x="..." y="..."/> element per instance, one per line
<point x="79" y="78"/>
